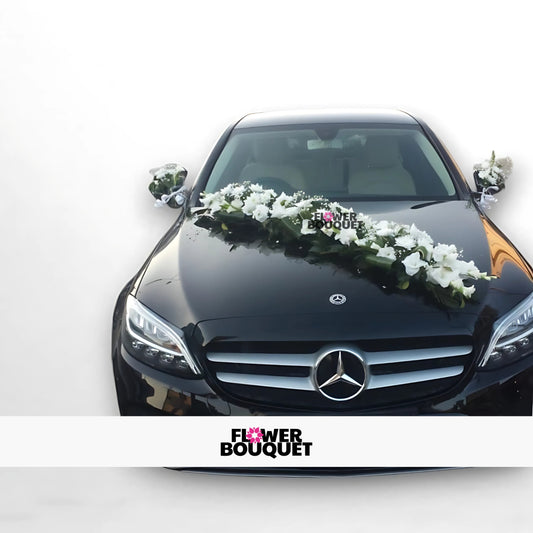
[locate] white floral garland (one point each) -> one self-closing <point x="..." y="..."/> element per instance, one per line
<point x="407" y="249"/>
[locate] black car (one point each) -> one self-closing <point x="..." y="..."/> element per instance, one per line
<point x="211" y="327"/>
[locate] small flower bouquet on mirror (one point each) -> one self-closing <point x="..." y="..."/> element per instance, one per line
<point x="490" y="177"/>
<point x="166" y="185"/>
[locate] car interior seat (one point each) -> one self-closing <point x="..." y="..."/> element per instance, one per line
<point x="271" y="160"/>
<point x="382" y="172"/>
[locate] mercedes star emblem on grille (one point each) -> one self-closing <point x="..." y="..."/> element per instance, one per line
<point x="340" y="374"/>
<point x="337" y="299"/>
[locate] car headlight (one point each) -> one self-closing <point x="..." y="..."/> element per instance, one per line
<point x="155" y="342"/>
<point x="512" y="336"/>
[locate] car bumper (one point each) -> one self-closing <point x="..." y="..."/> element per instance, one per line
<point x="142" y="390"/>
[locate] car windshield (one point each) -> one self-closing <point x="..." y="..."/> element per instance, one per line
<point x="341" y="162"/>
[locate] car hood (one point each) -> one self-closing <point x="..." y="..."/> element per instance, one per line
<point x="196" y="278"/>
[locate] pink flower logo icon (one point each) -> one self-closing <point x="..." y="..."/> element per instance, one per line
<point x="327" y="216"/>
<point x="254" y="435"/>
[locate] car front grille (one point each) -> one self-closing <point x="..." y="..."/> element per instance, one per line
<point x="281" y="377"/>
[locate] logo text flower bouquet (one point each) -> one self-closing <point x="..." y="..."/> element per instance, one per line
<point x="395" y="255"/>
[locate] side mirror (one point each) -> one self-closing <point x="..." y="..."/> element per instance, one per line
<point x="167" y="185"/>
<point x="482" y="184"/>
<point x="490" y="177"/>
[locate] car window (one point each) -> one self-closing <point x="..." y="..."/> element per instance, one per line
<point x="339" y="162"/>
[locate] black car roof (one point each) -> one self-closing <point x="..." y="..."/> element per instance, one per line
<point x="318" y="116"/>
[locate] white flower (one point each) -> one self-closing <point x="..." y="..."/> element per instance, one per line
<point x="468" y="291"/>
<point x="171" y="169"/>
<point x="385" y="251"/>
<point x="327" y="231"/>
<point x="249" y="207"/>
<point x="216" y="206"/>
<point x="445" y="254"/>
<point x="228" y="189"/>
<point x="465" y="269"/>
<point x="365" y="219"/>
<point x="283" y="198"/>
<point x="441" y="275"/>
<point x="413" y="263"/>
<point x="428" y="247"/>
<point x="388" y="252"/>
<point x="162" y="172"/>
<point x="306" y="230"/>
<point x="423" y="240"/>
<point x="238" y="191"/>
<point x="405" y="241"/>
<point x="235" y="205"/>
<point x="385" y="228"/>
<point x="251" y="203"/>
<point x="420" y="236"/>
<point x="303" y="204"/>
<point x="459" y="286"/>
<point x="346" y="236"/>
<point x="281" y="207"/>
<point x="280" y="211"/>
<point x="335" y="207"/>
<point x="213" y="202"/>
<point x="207" y="199"/>
<point x="484" y="174"/>
<point x="260" y="213"/>
<point x="506" y="166"/>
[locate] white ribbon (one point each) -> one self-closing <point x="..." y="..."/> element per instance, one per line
<point x="487" y="198"/>
<point x="165" y="198"/>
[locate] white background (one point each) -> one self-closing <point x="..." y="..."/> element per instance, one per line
<point x="94" y="94"/>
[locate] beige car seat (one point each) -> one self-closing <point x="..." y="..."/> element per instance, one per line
<point x="383" y="173"/>
<point x="270" y="161"/>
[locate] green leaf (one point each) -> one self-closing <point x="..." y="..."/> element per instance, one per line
<point x="382" y="262"/>
<point x="290" y="226"/>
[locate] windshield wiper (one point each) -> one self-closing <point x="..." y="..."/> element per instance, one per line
<point x="425" y="204"/>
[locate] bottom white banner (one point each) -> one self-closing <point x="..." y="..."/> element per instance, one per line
<point x="266" y="441"/>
